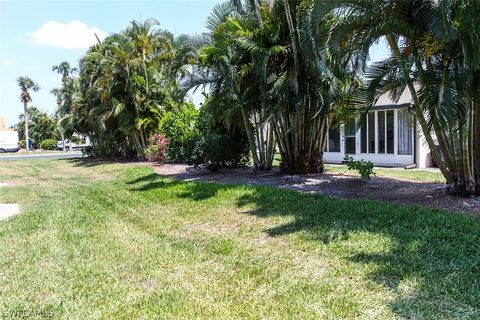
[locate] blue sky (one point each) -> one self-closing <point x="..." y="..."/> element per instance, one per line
<point x="35" y="35"/>
<point x="26" y="52"/>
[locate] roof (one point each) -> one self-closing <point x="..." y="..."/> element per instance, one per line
<point x="384" y="99"/>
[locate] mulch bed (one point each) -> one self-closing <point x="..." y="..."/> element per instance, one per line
<point x="399" y="191"/>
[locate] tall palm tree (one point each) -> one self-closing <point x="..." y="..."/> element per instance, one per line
<point x="124" y="84"/>
<point x="435" y="57"/>
<point x="253" y="54"/>
<point x="26" y="85"/>
<point x="65" y="70"/>
<point x="57" y="92"/>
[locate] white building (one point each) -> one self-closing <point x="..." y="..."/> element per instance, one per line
<point x="387" y="136"/>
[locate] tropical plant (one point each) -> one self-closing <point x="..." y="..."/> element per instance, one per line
<point x="48" y="144"/>
<point x="65" y="70"/>
<point x="364" y="168"/>
<point x="42" y="126"/>
<point x="156" y="150"/>
<point x="282" y="85"/>
<point x="124" y="88"/>
<point x="26" y="85"/>
<point x="435" y="57"/>
<point x="179" y="126"/>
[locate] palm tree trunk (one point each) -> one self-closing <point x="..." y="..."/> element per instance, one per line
<point x="250" y="137"/>
<point x="476" y="129"/>
<point x="419" y="113"/>
<point x="25" y="117"/>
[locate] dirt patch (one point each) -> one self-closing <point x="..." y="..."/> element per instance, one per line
<point x="399" y="191"/>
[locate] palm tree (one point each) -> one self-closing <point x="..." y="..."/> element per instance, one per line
<point x="281" y="87"/>
<point x="124" y="84"/>
<point x="65" y="70"/>
<point x="57" y="92"/>
<point x="26" y="85"/>
<point x="435" y="56"/>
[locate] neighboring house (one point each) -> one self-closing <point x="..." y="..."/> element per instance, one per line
<point x="387" y="136"/>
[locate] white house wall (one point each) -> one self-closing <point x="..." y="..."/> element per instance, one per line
<point x="419" y="149"/>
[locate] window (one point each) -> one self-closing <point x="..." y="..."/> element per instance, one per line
<point x="333" y="139"/>
<point x="371" y="132"/>
<point x="390" y="132"/>
<point x="363" y="135"/>
<point x="350" y="141"/>
<point x="386" y="131"/>
<point x="381" y="131"/>
<point x="367" y="134"/>
<point x="405" y="131"/>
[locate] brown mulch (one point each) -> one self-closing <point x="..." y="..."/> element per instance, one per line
<point x="399" y="191"/>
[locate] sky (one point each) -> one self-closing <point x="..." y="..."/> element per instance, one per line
<point x="36" y="35"/>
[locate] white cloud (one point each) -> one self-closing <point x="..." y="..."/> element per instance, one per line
<point x="7" y="62"/>
<point x="71" y="35"/>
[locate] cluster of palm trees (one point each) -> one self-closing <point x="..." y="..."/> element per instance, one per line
<point x="286" y="70"/>
<point x="293" y="66"/>
<point x="270" y="60"/>
<point x="125" y="84"/>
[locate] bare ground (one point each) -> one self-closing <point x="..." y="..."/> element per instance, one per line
<point x="399" y="191"/>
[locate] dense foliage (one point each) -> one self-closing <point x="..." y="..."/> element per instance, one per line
<point x="42" y="126"/>
<point x="277" y="73"/>
<point x="48" y="144"/>
<point x="180" y="127"/>
<point x="435" y="56"/>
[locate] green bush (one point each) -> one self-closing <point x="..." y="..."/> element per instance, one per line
<point x="217" y="150"/>
<point x="179" y="126"/>
<point x="48" y="144"/>
<point x="365" y="168"/>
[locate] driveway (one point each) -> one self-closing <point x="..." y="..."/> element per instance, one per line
<point x="59" y="155"/>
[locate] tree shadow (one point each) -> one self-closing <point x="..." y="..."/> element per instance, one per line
<point x="438" y="250"/>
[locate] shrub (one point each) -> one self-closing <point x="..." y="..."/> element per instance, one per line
<point x="217" y="150"/>
<point x="365" y="168"/>
<point x="156" y="149"/>
<point x="48" y="144"/>
<point x="179" y="126"/>
<point x="88" y="151"/>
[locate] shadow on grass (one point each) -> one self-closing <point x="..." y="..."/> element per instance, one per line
<point x="93" y="162"/>
<point x="437" y="250"/>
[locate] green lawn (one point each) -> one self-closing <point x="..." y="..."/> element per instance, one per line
<point x="115" y="241"/>
<point x="22" y="153"/>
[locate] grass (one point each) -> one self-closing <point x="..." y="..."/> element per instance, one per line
<point x="115" y="241"/>
<point x="23" y="153"/>
<point x="395" y="173"/>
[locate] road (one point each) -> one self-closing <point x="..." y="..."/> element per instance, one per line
<point x="60" y="155"/>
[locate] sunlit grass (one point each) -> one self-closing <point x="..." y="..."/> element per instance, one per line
<point x="115" y="241"/>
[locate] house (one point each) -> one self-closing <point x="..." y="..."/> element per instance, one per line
<point x="387" y="136"/>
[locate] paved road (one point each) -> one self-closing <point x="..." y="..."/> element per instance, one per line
<point x="13" y="157"/>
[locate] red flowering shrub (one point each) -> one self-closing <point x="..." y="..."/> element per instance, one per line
<point x="156" y="149"/>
